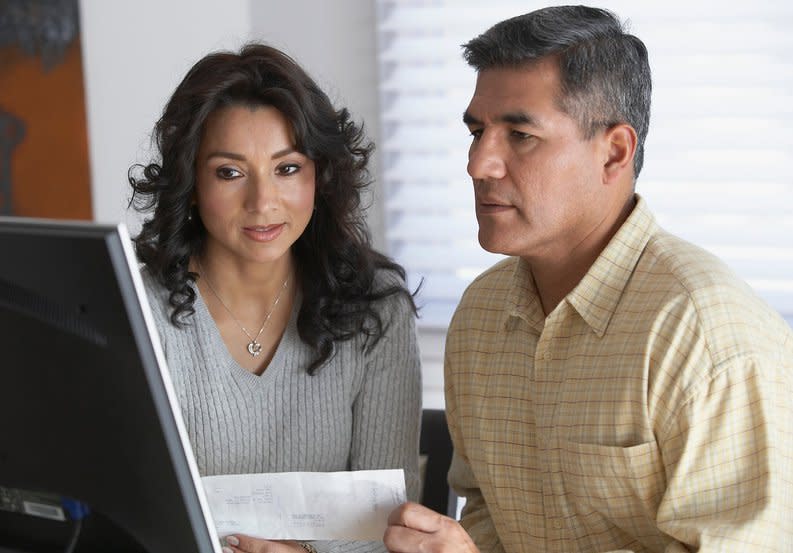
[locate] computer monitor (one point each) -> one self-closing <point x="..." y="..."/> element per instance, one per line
<point x="87" y="408"/>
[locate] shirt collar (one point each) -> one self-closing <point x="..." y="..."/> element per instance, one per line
<point x="596" y="296"/>
<point x="523" y="301"/>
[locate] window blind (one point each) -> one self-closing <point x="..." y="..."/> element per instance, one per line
<point x="719" y="156"/>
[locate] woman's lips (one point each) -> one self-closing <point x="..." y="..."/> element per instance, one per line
<point x="264" y="233"/>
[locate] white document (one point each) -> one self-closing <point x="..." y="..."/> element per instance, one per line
<point x="350" y="505"/>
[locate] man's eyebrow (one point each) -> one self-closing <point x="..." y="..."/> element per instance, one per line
<point x="512" y="118"/>
<point x="469" y="119"/>
<point x="520" y="118"/>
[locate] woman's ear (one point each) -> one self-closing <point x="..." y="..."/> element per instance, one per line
<point x="621" y="147"/>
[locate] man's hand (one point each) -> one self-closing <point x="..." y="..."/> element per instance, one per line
<point x="413" y="528"/>
<point x="246" y="544"/>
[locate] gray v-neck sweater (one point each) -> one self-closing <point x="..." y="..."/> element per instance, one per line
<point x="360" y="411"/>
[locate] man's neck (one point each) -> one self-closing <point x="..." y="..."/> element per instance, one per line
<point x="555" y="276"/>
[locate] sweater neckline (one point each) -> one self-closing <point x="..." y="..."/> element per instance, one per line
<point x="221" y="351"/>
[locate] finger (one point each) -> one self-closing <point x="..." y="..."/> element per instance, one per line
<point x="449" y="537"/>
<point x="417" y="517"/>
<point x="396" y="516"/>
<point x="246" y="544"/>
<point x="399" y="539"/>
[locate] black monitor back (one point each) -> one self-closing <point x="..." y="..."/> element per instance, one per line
<point x="87" y="410"/>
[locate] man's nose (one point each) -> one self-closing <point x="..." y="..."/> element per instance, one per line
<point x="486" y="158"/>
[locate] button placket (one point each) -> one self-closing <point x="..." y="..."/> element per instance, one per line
<point x="552" y="377"/>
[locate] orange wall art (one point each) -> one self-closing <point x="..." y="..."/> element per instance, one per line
<point x="44" y="166"/>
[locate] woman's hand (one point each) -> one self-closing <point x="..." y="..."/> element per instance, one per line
<point x="414" y="528"/>
<point x="239" y="543"/>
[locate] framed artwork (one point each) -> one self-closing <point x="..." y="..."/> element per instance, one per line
<point x="44" y="165"/>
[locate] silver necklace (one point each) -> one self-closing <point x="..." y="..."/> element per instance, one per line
<point x="254" y="347"/>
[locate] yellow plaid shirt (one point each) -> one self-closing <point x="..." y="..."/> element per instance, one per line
<point x="652" y="410"/>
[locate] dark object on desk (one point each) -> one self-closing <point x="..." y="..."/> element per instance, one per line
<point x="97" y="534"/>
<point x="436" y="444"/>
<point x="87" y="411"/>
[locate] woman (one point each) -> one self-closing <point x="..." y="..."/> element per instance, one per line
<point x="291" y="342"/>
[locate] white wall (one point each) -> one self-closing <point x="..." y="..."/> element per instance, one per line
<point x="135" y="53"/>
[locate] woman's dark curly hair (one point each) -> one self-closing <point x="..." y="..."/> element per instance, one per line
<point x="335" y="262"/>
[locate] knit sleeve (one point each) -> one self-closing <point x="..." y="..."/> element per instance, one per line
<point x="387" y="410"/>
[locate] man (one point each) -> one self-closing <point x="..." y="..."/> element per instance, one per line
<point x="609" y="386"/>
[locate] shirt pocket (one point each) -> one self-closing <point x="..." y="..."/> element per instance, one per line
<point x="620" y="486"/>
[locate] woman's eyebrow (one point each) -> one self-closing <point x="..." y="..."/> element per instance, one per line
<point x="240" y="157"/>
<point x="228" y="155"/>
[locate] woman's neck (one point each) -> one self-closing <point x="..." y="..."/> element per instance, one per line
<point x="244" y="287"/>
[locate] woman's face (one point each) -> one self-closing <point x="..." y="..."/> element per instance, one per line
<point x="254" y="190"/>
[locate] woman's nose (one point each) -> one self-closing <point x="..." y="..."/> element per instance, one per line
<point x="262" y="193"/>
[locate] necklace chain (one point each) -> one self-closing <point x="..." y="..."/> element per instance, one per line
<point x="254" y="347"/>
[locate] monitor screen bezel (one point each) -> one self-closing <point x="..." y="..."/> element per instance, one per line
<point x="119" y="250"/>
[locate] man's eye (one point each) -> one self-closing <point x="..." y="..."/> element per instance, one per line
<point x="521" y="135"/>
<point x="288" y="169"/>
<point x="228" y="173"/>
<point x="476" y="134"/>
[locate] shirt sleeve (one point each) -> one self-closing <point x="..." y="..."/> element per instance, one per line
<point x="728" y="452"/>
<point x="475" y="517"/>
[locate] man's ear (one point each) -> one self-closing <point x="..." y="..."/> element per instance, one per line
<point x="621" y="143"/>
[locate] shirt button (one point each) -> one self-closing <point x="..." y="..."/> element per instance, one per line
<point x="557" y="524"/>
<point x="546" y="355"/>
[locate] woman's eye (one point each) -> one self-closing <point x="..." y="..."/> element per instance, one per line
<point x="228" y="173"/>
<point x="288" y="169"/>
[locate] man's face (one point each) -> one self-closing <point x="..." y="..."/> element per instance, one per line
<point x="537" y="181"/>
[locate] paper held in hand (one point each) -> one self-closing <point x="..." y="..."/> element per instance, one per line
<point x="350" y="505"/>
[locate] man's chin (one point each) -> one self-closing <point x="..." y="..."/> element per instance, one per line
<point x="492" y="244"/>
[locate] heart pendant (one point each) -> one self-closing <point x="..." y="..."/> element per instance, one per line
<point x="254" y="348"/>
